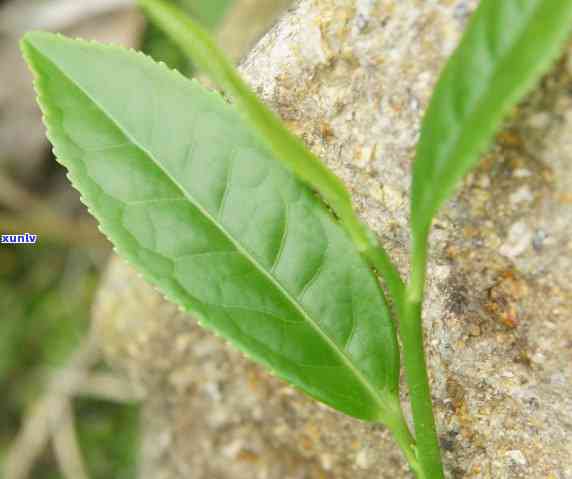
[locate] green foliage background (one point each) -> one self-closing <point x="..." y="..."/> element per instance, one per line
<point x="46" y="308"/>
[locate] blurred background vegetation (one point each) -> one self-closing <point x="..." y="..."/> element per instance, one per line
<point x="63" y="414"/>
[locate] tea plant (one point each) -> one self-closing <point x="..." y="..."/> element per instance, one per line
<point x="216" y="204"/>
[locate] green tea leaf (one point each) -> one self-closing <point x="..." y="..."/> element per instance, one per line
<point x="506" y="47"/>
<point x="190" y="196"/>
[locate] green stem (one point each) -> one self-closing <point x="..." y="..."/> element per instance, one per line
<point x="398" y="427"/>
<point x="376" y="256"/>
<point x="411" y="330"/>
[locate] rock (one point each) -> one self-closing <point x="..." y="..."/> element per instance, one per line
<point x="353" y="78"/>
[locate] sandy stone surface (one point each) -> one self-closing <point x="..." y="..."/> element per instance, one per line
<point x="353" y="79"/>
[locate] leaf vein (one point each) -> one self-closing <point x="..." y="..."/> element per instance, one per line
<point x="283" y="236"/>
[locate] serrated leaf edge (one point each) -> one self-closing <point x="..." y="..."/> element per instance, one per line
<point x="385" y="399"/>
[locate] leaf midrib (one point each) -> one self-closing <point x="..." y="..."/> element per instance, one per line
<point x="345" y="359"/>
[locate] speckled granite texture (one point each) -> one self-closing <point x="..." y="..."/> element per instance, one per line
<point x="353" y="79"/>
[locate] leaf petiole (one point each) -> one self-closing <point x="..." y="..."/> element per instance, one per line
<point x="397" y="425"/>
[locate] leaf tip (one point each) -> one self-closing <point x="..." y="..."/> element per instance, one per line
<point x="35" y="38"/>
